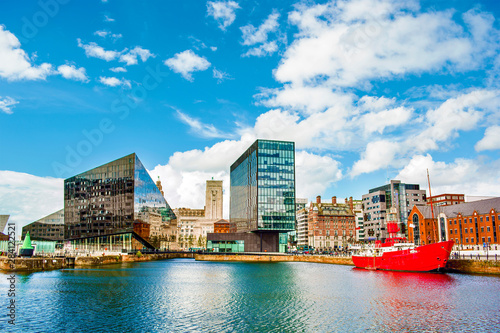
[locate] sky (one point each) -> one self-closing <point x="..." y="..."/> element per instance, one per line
<point x="369" y="90"/>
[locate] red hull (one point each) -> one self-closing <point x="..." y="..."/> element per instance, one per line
<point x="423" y="258"/>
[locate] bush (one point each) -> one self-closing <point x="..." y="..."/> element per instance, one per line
<point x="138" y="254"/>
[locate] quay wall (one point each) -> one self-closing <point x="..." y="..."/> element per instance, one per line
<point x="46" y="263"/>
<point x="453" y="266"/>
<point x="275" y="258"/>
<point x="473" y="266"/>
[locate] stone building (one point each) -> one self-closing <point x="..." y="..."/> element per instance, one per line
<point x="331" y="224"/>
<point x="193" y="225"/>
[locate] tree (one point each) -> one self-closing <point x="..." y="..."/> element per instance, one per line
<point x="190" y="240"/>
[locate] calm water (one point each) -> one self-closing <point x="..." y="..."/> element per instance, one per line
<point x="184" y="295"/>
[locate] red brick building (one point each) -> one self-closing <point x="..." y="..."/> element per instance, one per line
<point x="469" y="224"/>
<point x="221" y="227"/>
<point x="446" y="199"/>
<point x="331" y="225"/>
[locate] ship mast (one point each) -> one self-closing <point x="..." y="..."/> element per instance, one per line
<point x="432" y="208"/>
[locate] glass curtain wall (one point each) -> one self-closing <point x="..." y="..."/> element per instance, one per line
<point x="276" y="185"/>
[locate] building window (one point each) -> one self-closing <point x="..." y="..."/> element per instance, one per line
<point x="482" y="229"/>
<point x="489" y="239"/>
<point x="488" y="229"/>
<point x="466" y="230"/>
<point x="466" y="240"/>
<point x="472" y="239"/>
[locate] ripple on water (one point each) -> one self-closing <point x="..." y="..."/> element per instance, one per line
<point x="184" y="295"/>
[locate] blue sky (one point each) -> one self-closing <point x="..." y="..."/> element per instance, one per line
<point x="369" y="90"/>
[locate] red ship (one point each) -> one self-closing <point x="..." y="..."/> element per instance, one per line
<point x="397" y="254"/>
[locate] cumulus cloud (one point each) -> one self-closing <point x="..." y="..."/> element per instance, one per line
<point x="187" y="62"/>
<point x="7" y="103"/>
<point x="259" y="36"/>
<point x="118" y="69"/>
<point x="378" y="154"/>
<point x="491" y="139"/>
<point x="315" y="173"/>
<point x="72" y="73"/>
<point x="350" y="43"/>
<point x="223" y="12"/>
<point x="28" y="198"/>
<point x="15" y="64"/>
<point x="467" y="176"/>
<point x="114" y="82"/>
<point x="130" y="58"/>
<point x="185" y="174"/>
<point x="461" y="113"/>
<point x="95" y="51"/>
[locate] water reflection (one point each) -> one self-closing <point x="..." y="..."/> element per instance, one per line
<point x="184" y="295"/>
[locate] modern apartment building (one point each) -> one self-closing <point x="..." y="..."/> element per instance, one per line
<point x="376" y="203"/>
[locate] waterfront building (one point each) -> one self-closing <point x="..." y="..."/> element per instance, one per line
<point x="330" y="224"/>
<point x="262" y="199"/>
<point x="50" y="227"/>
<point x="358" y="215"/>
<point x="3" y="221"/>
<point x="193" y="225"/>
<point x="302" y="228"/>
<point x="376" y="203"/>
<point x="446" y="199"/>
<point x="221" y="227"/>
<point x="469" y="224"/>
<point x="112" y="207"/>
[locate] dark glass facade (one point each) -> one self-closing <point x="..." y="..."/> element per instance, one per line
<point x="263" y="188"/>
<point x="108" y="199"/>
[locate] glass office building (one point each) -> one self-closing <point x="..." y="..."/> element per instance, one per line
<point x="110" y="200"/>
<point x="263" y="188"/>
<point x="262" y="200"/>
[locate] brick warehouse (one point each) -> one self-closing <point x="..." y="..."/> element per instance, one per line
<point x="470" y="224"/>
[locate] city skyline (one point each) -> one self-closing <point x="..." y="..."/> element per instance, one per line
<point x="368" y="90"/>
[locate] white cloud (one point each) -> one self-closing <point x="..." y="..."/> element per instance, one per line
<point x="96" y="51"/>
<point x="118" y="69"/>
<point x="467" y="176"/>
<point x="130" y="58"/>
<point x="378" y="155"/>
<point x="7" y="103"/>
<point x="349" y="43"/>
<point x="223" y="12"/>
<point x="72" y="73"/>
<point x="461" y="113"/>
<point x="107" y="33"/>
<point x="185" y="174"/>
<point x="15" y="63"/>
<point x="28" y="198"/>
<point x="315" y="173"/>
<point x="114" y="82"/>
<point x="220" y="75"/>
<point x="108" y="19"/>
<point x="187" y="62"/>
<point x="491" y="139"/>
<point x="101" y="33"/>
<point x="379" y="121"/>
<point x="262" y="50"/>
<point x="253" y="36"/>
<point x="201" y="129"/>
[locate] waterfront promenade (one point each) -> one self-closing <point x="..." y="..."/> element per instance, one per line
<point x="476" y="265"/>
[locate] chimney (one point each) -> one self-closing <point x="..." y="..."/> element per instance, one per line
<point x="351" y="203"/>
<point x="334" y="200"/>
<point x="318" y="199"/>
